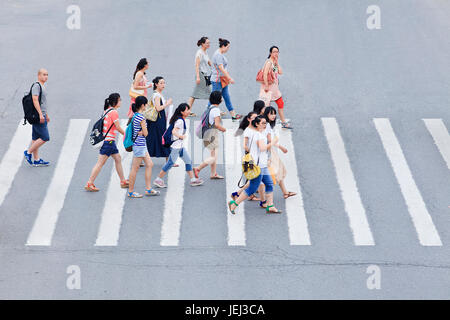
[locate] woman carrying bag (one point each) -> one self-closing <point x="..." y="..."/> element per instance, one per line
<point x="258" y="148"/>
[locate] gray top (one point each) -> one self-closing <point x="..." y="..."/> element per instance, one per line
<point x="217" y="60"/>
<point x="204" y="59"/>
<point x="35" y="92"/>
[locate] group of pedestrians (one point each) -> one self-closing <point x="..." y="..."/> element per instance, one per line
<point x="152" y="116"/>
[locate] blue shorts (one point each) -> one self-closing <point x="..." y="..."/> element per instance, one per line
<point x="108" y="148"/>
<point x="139" y="151"/>
<point x="40" y="131"/>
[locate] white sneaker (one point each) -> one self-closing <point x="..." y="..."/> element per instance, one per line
<point x="159" y="183"/>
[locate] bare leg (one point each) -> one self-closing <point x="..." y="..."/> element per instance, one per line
<point x="118" y="164"/>
<point x="191" y="102"/>
<point x="34" y="148"/>
<point x="133" y="172"/>
<point x="148" y="171"/>
<point x="98" y="166"/>
<point x="281" y="113"/>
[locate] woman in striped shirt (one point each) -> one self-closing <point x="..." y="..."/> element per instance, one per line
<point x="140" y="152"/>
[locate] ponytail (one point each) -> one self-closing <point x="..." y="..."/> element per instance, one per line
<point x="244" y="123"/>
<point x="139" y="102"/>
<point x="257" y="120"/>
<point x="177" y="114"/>
<point x="111" y="101"/>
<point x="223" y="42"/>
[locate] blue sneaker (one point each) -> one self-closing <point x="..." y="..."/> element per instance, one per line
<point x="28" y="157"/>
<point x="40" y="163"/>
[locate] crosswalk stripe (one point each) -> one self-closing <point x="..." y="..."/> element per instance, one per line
<point x="233" y="172"/>
<point x="111" y="220"/>
<point x="45" y="223"/>
<point x="173" y="202"/>
<point x="427" y="233"/>
<point x="440" y="136"/>
<point x="295" y="211"/>
<point x="362" y="236"/>
<point x="13" y="158"/>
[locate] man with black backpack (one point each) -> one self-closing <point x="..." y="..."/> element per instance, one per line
<point x="40" y="134"/>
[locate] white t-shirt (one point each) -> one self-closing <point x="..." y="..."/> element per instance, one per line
<point x="215" y="112"/>
<point x="204" y="59"/>
<point x="253" y="138"/>
<point x="178" y="143"/>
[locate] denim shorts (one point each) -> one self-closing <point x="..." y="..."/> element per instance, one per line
<point x="40" y="131"/>
<point x="108" y="148"/>
<point x="139" y="151"/>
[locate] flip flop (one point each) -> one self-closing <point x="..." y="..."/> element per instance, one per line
<point x="229" y="206"/>
<point x="289" y="194"/>
<point x="192" y="115"/>
<point x="216" y="177"/>
<point x="196" y="172"/>
<point x="253" y="198"/>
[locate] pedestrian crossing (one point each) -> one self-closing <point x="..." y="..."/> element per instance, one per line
<point x="295" y="214"/>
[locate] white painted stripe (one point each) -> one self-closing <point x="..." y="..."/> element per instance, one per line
<point x="111" y="221"/>
<point x="45" y="223"/>
<point x="173" y="202"/>
<point x="440" y="136"/>
<point x="233" y="172"/>
<point x="427" y="233"/>
<point x="362" y="236"/>
<point x="295" y="211"/>
<point x="13" y="158"/>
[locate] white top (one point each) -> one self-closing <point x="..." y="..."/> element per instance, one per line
<point x="260" y="157"/>
<point x="204" y="59"/>
<point x="215" y="112"/>
<point x="155" y="95"/>
<point x="178" y="143"/>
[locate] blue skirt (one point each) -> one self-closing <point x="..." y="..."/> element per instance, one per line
<point x="154" y="138"/>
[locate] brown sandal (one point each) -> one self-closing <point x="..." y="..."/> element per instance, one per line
<point x="289" y="194"/>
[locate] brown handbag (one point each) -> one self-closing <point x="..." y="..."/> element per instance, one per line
<point x="224" y="81"/>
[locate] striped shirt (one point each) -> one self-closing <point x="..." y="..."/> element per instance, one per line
<point x="140" y="140"/>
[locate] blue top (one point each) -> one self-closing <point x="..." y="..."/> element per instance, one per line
<point x="140" y="140"/>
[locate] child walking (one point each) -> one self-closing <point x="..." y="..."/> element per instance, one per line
<point x="177" y="149"/>
<point x="140" y="152"/>
<point x="111" y="124"/>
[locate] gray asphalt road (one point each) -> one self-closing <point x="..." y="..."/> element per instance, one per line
<point x="334" y="67"/>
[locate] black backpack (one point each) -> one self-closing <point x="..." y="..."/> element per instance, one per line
<point x="96" y="135"/>
<point x="30" y="113"/>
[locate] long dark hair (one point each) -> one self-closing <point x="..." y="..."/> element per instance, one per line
<point x="223" y="42"/>
<point x="177" y="114"/>
<point x="112" y="100"/>
<point x="141" y="64"/>
<point x="267" y="111"/>
<point x="270" y="50"/>
<point x="201" y="41"/>
<point x="139" y="102"/>
<point x="244" y="123"/>
<point x="156" y="81"/>
<point x="258" y="106"/>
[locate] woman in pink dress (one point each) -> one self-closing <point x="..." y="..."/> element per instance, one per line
<point x="271" y="65"/>
<point x="140" y="82"/>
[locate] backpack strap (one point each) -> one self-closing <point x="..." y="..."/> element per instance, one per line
<point x="110" y="125"/>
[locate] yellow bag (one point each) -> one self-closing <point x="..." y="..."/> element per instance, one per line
<point x="134" y="93"/>
<point x="150" y="112"/>
<point x="250" y="169"/>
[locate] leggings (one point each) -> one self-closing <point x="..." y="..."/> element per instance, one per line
<point x="280" y="103"/>
<point x="174" y="154"/>
<point x="217" y="86"/>
<point x="265" y="177"/>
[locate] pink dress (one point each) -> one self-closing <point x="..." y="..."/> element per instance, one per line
<point x="143" y="82"/>
<point x="274" y="91"/>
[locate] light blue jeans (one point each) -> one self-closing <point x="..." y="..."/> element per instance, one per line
<point x="174" y="154"/>
<point x="217" y="86"/>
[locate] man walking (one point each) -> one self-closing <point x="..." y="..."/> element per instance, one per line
<point x="40" y="131"/>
